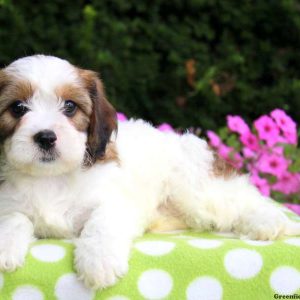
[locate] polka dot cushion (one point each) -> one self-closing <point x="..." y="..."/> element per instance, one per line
<point x="185" y="265"/>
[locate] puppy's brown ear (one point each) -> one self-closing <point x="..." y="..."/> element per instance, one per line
<point x="103" y="120"/>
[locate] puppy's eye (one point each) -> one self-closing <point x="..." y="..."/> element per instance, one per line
<point x="18" y="109"/>
<point x="70" y="108"/>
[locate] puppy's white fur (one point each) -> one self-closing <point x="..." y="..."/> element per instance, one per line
<point x="104" y="207"/>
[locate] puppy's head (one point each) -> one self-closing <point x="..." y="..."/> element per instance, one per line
<point x="54" y="117"/>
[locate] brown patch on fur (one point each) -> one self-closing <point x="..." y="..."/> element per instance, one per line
<point x="111" y="154"/>
<point x="11" y="89"/>
<point x="3" y="80"/>
<point x="80" y="120"/>
<point x="103" y="117"/>
<point x="80" y="96"/>
<point x="7" y="125"/>
<point x="221" y="168"/>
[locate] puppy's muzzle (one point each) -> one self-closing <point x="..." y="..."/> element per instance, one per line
<point x="45" y="139"/>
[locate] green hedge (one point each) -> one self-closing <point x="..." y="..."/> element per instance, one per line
<point x="246" y="54"/>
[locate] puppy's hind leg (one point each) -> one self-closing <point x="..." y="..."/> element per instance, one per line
<point x="211" y="196"/>
<point x="192" y="189"/>
<point x="262" y="220"/>
<point x="236" y="206"/>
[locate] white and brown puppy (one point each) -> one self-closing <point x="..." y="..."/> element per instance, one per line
<point x="66" y="173"/>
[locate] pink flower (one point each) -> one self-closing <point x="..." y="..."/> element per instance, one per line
<point x="237" y="124"/>
<point x="261" y="183"/>
<point x="224" y="151"/>
<point x="237" y="161"/>
<point x="214" y="139"/>
<point x="121" y="117"/>
<point x="288" y="183"/>
<point x="272" y="164"/>
<point x="250" y="140"/>
<point x="267" y="130"/>
<point x="291" y="137"/>
<point x="231" y="156"/>
<point x="284" y="121"/>
<point x="248" y="153"/>
<point x="278" y="150"/>
<point x="165" y="127"/>
<point x="286" y="124"/>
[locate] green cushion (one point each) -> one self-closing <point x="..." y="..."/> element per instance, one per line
<point x="182" y="265"/>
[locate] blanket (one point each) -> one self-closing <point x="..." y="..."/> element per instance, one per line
<point x="177" y="265"/>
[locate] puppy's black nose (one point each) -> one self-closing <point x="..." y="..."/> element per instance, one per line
<point x="45" y="139"/>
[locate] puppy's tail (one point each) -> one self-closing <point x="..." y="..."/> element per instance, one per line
<point x="292" y="228"/>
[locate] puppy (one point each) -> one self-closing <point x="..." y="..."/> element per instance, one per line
<point x="67" y="172"/>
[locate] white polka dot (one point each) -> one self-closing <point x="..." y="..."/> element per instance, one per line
<point x="293" y="241"/>
<point x="258" y="243"/>
<point x="69" y="287"/>
<point x="117" y="298"/>
<point x="205" y="243"/>
<point x="155" y="284"/>
<point x="155" y="247"/>
<point x="243" y="263"/>
<point x="48" y="252"/>
<point x="1" y="281"/>
<point x="285" y="280"/>
<point x="204" y="288"/>
<point x="27" y="292"/>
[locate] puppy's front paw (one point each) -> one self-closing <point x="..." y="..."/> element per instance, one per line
<point x="99" y="266"/>
<point x="11" y="257"/>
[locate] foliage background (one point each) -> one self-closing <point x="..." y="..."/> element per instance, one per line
<point x="186" y="62"/>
